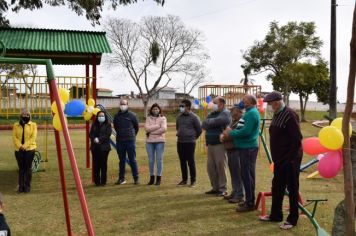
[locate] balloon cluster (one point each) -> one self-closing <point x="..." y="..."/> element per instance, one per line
<point x="327" y="146"/>
<point x="74" y="108"/>
<point x="207" y="104"/>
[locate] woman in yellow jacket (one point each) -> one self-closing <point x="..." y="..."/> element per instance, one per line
<point x="24" y="136"/>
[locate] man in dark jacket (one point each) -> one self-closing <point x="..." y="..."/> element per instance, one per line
<point x="126" y="127"/>
<point x="188" y="130"/>
<point x="214" y="125"/>
<point x="287" y="153"/>
<point x="4" y="228"/>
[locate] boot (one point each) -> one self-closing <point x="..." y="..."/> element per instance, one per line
<point x="158" y="180"/>
<point x="152" y="180"/>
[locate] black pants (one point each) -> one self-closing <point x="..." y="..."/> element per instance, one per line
<point x="186" y="154"/>
<point x="24" y="162"/>
<point x="248" y="158"/>
<point x="286" y="175"/>
<point x="100" y="166"/>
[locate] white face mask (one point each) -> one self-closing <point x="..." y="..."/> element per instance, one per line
<point x="101" y="119"/>
<point x="123" y="107"/>
<point x="181" y="109"/>
<point x="215" y="107"/>
<point x="155" y="113"/>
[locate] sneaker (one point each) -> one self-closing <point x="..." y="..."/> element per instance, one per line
<point x="236" y="200"/>
<point x="193" y="184"/>
<point x="182" y="183"/>
<point x="120" y="181"/>
<point x="228" y="197"/>
<point x="286" y="225"/>
<point x="212" y="192"/>
<point x="268" y="219"/>
<point x="245" y="208"/>
<point x="221" y="194"/>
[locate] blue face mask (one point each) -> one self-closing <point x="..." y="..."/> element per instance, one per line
<point x="101" y="119"/>
<point x="241" y="105"/>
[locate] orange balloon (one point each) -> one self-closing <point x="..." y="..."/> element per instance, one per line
<point x="271" y="167"/>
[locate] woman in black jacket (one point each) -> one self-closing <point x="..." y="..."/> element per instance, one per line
<point x="100" y="133"/>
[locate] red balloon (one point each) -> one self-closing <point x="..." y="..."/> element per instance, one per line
<point x="313" y="147"/>
<point x="330" y="165"/>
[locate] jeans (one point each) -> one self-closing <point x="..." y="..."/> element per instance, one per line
<point x="155" y="152"/>
<point x="129" y="148"/>
<point x="186" y="154"/>
<point x="235" y="173"/>
<point x="100" y="166"/>
<point x="24" y="161"/>
<point x="248" y="158"/>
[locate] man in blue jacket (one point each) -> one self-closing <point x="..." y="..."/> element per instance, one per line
<point x="214" y="125"/>
<point x="246" y="142"/>
<point x="126" y="127"/>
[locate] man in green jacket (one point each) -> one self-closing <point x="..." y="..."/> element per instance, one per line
<point x="245" y="139"/>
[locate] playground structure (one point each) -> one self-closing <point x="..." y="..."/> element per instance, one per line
<point x="44" y="47"/>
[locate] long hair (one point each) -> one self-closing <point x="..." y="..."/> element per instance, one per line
<point x="106" y="118"/>
<point x="153" y="106"/>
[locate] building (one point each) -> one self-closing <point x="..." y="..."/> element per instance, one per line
<point x="165" y="93"/>
<point x="104" y="92"/>
<point x="181" y="96"/>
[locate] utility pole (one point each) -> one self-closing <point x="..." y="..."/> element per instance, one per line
<point x="333" y="84"/>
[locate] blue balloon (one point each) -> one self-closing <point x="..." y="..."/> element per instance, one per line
<point x="208" y="99"/>
<point x="74" y="108"/>
<point x="196" y="101"/>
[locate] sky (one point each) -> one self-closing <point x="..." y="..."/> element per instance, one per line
<point x="229" y="27"/>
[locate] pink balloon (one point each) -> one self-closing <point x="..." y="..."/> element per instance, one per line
<point x="330" y="165"/>
<point x="313" y="147"/>
<point x="210" y="105"/>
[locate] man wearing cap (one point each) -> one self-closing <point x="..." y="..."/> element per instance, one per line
<point x="287" y="153"/>
<point x="246" y="141"/>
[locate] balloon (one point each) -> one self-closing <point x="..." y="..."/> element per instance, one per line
<point x="312" y="146"/>
<point x="196" y="101"/>
<point x="74" y="108"/>
<point x="90" y="109"/>
<point x="210" y="105"/>
<point x="87" y="116"/>
<point x="64" y="95"/>
<point x="330" y="165"/>
<point x="271" y="167"/>
<point x="331" y="138"/>
<point x="337" y="123"/>
<point x="91" y="102"/>
<point x="54" y="107"/>
<point x="208" y="99"/>
<point x="95" y="111"/>
<point x="57" y="122"/>
<point x="204" y="104"/>
<point x="196" y="106"/>
<point x="261" y="109"/>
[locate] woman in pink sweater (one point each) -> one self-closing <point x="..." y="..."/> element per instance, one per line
<point x="156" y="127"/>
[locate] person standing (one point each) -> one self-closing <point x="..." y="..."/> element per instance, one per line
<point x="156" y="127"/>
<point x="100" y="133"/>
<point x="246" y="141"/>
<point x="286" y="149"/>
<point x="24" y="135"/>
<point x="126" y="127"/>
<point x="214" y="125"/>
<point x="188" y="128"/>
<point x="237" y="193"/>
<point x="4" y="227"/>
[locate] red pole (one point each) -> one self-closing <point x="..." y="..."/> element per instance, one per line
<point x="87" y="81"/>
<point x="62" y="177"/>
<point x="73" y="162"/>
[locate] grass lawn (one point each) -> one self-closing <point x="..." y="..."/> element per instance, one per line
<point x="146" y="210"/>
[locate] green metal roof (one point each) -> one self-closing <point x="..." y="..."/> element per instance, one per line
<point x="51" y="43"/>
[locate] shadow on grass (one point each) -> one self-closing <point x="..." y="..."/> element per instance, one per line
<point x="8" y="181"/>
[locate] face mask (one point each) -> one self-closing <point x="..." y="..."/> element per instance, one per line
<point x="155" y="113"/>
<point x="181" y="109"/>
<point x="215" y="107"/>
<point x="25" y="119"/>
<point x="241" y="105"/>
<point x="123" y="107"/>
<point x="101" y="119"/>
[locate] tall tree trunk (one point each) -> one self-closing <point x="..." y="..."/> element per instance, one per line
<point x="145" y="107"/>
<point x="304" y="108"/>
<point x="348" y="180"/>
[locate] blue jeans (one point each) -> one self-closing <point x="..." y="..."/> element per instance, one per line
<point x="129" y="148"/>
<point x="155" y="151"/>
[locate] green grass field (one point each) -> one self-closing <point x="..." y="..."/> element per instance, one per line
<point x="145" y="210"/>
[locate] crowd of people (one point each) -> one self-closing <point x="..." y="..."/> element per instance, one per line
<point x="231" y="139"/>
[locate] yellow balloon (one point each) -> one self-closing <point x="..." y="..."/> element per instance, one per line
<point x="204" y="104"/>
<point x="64" y="95"/>
<point x="90" y="109"/>
<point x="337" y="123"/>
<point x="87" y="116"/>
<point x="331" y="138"/>
<point x="57" y="122"/>
<point x="91" y="102"/>
<point x="54" y="107"/>
<point x="95" y="111"/>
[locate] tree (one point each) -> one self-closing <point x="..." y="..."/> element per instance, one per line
<point x="282" y="46"/>
<point x="246" y="80"/>
<point x="91" y="8"/>
<point x="193" y="78"/>
<point x="305" y="79"/>
<point x="180" y="49"/>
